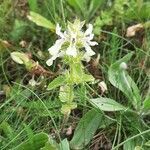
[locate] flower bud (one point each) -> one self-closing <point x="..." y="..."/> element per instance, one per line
<point x="123" y="66"/>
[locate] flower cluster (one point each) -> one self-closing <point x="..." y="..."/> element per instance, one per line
<point x="71" y="41"/>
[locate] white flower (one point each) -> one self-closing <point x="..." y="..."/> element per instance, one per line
<point x="71" y="41"/>
<point x="89" y="30"/>
<point x="54" y="50"/>
<point x="49" y="62"/>
<point x="33" y="83"/>
<point x="72" y="51"/>
<point x="86" y="57"/>
<point x="88" y="36"/>
<point x="58" y="31"/>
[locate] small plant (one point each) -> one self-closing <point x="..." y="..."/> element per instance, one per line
<point x="73" y="46"/>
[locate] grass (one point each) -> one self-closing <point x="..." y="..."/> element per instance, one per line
<point x="30" y="114"/>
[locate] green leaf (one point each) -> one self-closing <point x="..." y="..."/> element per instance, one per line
<point x="19" y="30"/>
<point x="78" y="5"/>
<point x="134" y="144"/>
<point x="7" y="130"/>
<point x="64" y="145"/>
<point x="130" y="145"/>
<point x="29" y="131"/>
<point x="77" y="75"/>
<point x="67" y="107"/>
<point x="138" y="148"/>
<point x="121" y="80"/>
<point x="107" y="104"/>
<point x="59" y="81"/>
<point x="146" y="103"/>
<point x="41" y="21"/>
<point x="50" y="145"/>
<point x="94" y="5"/>
<point x="88" y="78"/>
<point x="33" y="5"/>
<point x="147" y="143"/>
<point x="142" y="12"/>
<point x="66" y="93"/>
<point x="86" y="129"/>
<point x="38" y="141"/>
<point x="20" y="58"/>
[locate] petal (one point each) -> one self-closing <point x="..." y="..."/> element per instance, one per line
<point x="58" y="31"/>
<point x="89" y="30"/>
<point x="92" y="43"/>
<point x="61" y="54"/>
<point x="49" y="62"/>
<point x="90" y="37"/>
<point x="56" y="47"/>
<point x="72" y="51"/>
<point x="88" y="49"/>
<point x="86" y="57"/>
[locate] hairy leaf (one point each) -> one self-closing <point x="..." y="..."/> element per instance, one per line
<point x="121" y="80"/>
<point x="41" y="21"/>
<point x="60" y="80"/>
<point x="107" y="104"/>
<point x="86" y="129"/>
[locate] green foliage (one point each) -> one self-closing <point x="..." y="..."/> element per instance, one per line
<point x="7" y="129"/>
<point x="38" y="141"/>
<point x="121" y="80"/>
<point x="77" y="5"/>
<point x="104" y="19"/>
<point x="94" y="6"/>
<point x="64" y="145"/>
<point x="115" y="43"/>
<point x="67" y="107"/>
<point x="147" y="143"/>
<point x="57" y="82"/>
<point x="33" y="5"/>
<point x="132" y="144"/>
<point x="86" y="9"/>
<point x="41" y="21"/>
<point x="86" y="129"/>
<point x="5" y="9"/>
<point x="19" y="30"/>
<point x="19" y="58"/>
<point x="138" y="11"/>
<point x="146" y="103"/>
<point x="107" y="104"/>
<point x="66" y="93"/>
<point x="77" y="75"/>
<point x="122" y="11"/>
